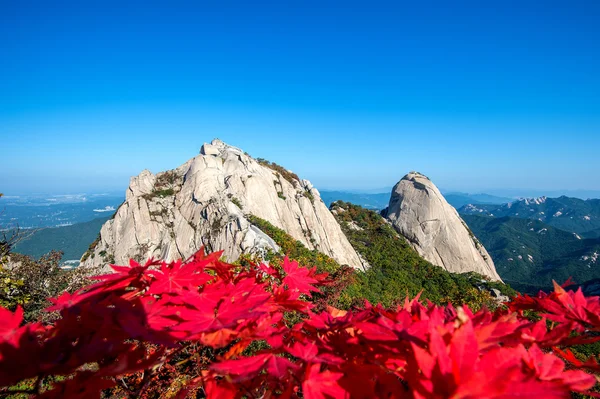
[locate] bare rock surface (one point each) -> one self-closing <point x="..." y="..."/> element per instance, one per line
<point x="207" y="202"/>
<point x="419" y="212"/>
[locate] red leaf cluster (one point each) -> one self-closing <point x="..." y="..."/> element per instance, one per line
<point x="138" y="320"/>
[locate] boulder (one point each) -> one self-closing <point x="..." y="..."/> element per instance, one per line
<point x="419" y="212"/>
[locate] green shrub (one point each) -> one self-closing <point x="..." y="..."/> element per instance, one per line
<point x="90" y="250"/>
<point x="294" y="248"/>
<point x="236" y="202"/>
<point x="30" y="282"/>
<point x="309" y="195"/>
<point x="397" y="269"/>
<point x="159" y="193"/>
<point x="286" y="174"/>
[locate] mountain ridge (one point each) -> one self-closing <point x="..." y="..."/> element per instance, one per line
<point x="207" y="202"/>
<point x="530" y="252"/>
<point x="211" y="200"/>
<point x="566" y="213"/>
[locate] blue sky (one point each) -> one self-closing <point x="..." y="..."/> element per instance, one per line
<point x="477" y="95"/>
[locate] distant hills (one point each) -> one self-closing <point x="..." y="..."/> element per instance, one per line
<point x="458" y="200"/>
<point x="373" y="201"/>
<point x="378" y="201"/>
<point x="73" y="240"/>
<point x="529" y="254"/>
<point x="565" y="213"/>
<point x="536" y="240"/>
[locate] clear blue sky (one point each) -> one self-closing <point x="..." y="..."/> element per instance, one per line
<point x="477" y="95"/>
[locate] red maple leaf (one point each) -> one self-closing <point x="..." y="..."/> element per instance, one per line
<point x="590" y="364"/>
<point x="9" y="324"/>
<point x="298" y="278"/>
<point x="322" y="385"/>
<point x="249" y="367"/>
<point x="176" y="276"/>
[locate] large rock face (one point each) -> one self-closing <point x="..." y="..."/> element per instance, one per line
<point x="207" y="201"/>
<point x="419" y="212"/>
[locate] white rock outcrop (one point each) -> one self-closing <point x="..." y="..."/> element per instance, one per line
<point x="419" y="212"/>
<point x="207" y="202"/>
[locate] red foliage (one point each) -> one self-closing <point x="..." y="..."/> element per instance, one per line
<point x="136" y="323"/>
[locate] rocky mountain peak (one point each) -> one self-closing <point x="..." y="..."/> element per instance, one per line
<point x="218" y="148"/>
<point x="419" y="212"/>
<point x="531" y="201"/>
<point x="209" y="201"/>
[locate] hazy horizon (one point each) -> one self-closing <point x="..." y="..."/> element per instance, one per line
<point x="513" y="193"/>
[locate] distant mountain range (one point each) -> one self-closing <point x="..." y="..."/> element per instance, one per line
<point x="565" y="213"/>
<point x="529" y="193"/>
<point x="378" y="201"/>
<point x="529" y="254"/>
<point x="458" y="200"/>
<point x="373" y="201"/>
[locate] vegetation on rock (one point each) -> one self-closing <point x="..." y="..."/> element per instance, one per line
<point x="286" y="174"/>
<point x="91" y="248"/>
<point x="236" y="202"/>
<point x="294" y="248"/>
<point x="162" y="193"/>
<point x="397" y="269"/>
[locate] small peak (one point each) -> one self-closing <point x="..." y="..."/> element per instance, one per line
<point x="534" y="200"/>
<point x="218" y="147"/>
<point x="218" y="143"/>
<point x="413" y="175"/>
<point x="210" y="149"/>
<point x="418" y="180"/>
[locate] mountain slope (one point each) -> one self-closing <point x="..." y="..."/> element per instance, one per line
<point x="591" y="233"/>
<point x="419" y="212"/>
<point x="565" y="213"/>
<point x="531" y="252"/>
<point x="397" y="269"/>
<point x="208" y="201"/>
<point x="72" y="240"/>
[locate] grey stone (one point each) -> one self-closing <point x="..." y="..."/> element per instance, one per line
<point x="419" y="212"/>
<point x="201" y="211"/>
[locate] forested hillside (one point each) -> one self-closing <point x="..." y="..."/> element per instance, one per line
<point x="565" y="213"/>
<point x="72" y="240"/>
<point x="530" y="254"/>
<point x="397" y="269"/>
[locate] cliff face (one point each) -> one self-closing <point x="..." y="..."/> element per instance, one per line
<point x="207" y="201"/>
<point x="419" y="212"/>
